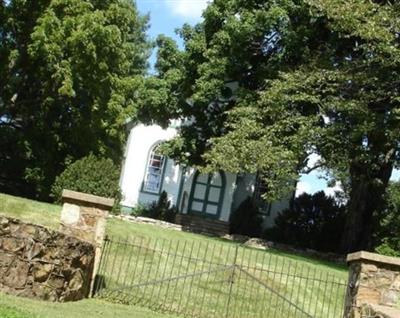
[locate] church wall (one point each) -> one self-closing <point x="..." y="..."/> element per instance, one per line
<point x="141" y="139"/>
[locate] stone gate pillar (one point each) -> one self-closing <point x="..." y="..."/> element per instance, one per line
<point x="84" y="216"/>
<point x="374" y="286"/>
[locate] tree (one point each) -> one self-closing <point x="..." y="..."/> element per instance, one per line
<point x="18" y="19"/>
<point x="70" y="75"/>
<point x="313" y="76"/>
<point x="313" y="221"/>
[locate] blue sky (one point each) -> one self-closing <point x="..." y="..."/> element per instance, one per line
<point x="167" y="15"/>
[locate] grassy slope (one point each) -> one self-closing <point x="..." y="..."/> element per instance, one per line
<point x="10" y="312"/>
<point x="30" y="211"/>
<point x="90" y="308"/>
<point x="48" y="215"/>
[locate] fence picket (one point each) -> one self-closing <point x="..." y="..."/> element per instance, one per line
<point x="211" y="279"/>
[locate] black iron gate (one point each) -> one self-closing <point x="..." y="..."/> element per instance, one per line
<point x="214" y="279"/>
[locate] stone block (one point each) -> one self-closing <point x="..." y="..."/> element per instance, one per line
<point x="367" y="268"/>
<point x="56" y="281"/>
<point x="12" y="245"/>
<point x="84" y="199"/>
<point x="28" y="231"/>
<point x="41" y="272"/>
<point x="390" y="298"/>
<point x="368" y="295"/>
<point x="6" y="260"/>
<point x="34" y="250"/>
<point x="382" y="280"/>
<point x="396" y="283"/>
<point x="51" y="254"/>
<point x="70" y="214"/>
<point x="77" y="281"/>
<point x="17" y="275"/>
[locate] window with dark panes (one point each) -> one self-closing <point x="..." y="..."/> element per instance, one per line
<point x="154" y="171"/>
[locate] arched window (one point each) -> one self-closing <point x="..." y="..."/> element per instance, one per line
<point x="154" y="171"/>
<point x="207" y="194"/>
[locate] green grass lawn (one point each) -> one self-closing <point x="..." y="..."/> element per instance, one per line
<point x="10" y="312"/>
<point x="192" y="276"/>
<point x="49" y="215"/>
<point x="313" y="286"/>
<point x="17" y="307"/>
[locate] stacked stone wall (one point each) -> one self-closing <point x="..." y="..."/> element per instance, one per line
<point x="374" y="282"/>
<point x="38" y="263"/>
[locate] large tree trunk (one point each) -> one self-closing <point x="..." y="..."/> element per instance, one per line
<point x="366" y="198"/>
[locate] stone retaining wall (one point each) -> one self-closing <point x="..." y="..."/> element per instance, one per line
<point x="38" y="263"/>
<point x="374" y="280"/>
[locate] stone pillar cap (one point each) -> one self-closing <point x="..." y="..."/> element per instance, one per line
<point x="372" y="257"/>
<point x="84" y="198"/>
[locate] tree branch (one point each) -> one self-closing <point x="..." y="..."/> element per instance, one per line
<point x="321" y="165"/>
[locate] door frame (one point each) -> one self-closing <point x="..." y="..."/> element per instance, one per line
<point x="205" y="202"/>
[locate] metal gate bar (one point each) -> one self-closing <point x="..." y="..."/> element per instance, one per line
<point x="213" y="279"/>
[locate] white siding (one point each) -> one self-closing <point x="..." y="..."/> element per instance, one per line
<point x="228" y="196"/>
<point x="141" y="139"/>
<point x="183" y="205"/>
<point x="277" y="206"/>
<point x="171" y="181"/>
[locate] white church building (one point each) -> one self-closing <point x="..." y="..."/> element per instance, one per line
<point x="203" y="200"/>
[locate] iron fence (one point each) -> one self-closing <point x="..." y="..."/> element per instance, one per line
<point x="215" y="279"/>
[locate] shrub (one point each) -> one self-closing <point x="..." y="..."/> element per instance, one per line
<point x="139" y="210"/>
<point x="389" y="248"/>
<point x="387" y="235"/>
<point x="246" y="220"/>
<point x="91" y="174"/>
<point x="313" y="221"/>
<point x="160" y="210"/>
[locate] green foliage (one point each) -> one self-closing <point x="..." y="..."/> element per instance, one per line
<point x="139" y="210"/>
<point x="91" y="174"/>
<point x="161" y="91"/>
<point x="313" y="77"/>
<point x="313" y="221"/>
<point x="387" y="236"/>
<point x="388" y="247"/>
<point x="70" y="76"/>
<point x="246" y="219"/>
<point x="160" y="210"/>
